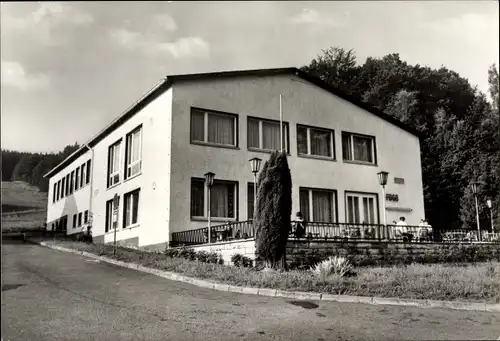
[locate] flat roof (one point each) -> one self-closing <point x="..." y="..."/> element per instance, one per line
<point x="166" y="83"/>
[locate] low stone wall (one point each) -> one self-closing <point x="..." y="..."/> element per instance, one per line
<point x="228" y="249"/>
<point x="302" y="254"/>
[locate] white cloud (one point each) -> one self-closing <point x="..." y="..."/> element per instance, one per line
<point x="14" y="75"/>
<point x="184" y="47"/>
<point x="313" y="18"/>
<point x="47" y="21"/>
<point x="166" y="22"/>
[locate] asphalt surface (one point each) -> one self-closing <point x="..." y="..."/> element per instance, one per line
<point x="53" y="295"/>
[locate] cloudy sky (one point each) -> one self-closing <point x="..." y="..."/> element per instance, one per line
<point x="68" y="69"/>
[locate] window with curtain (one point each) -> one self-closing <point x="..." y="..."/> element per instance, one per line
<point x="361" y="208"/>
<point x="131" y="208"/>
<point x="358" y="148"/>
<point x="113" y="164"/>
<point x="318" y="204"/>
<point x="222" y="199"/>
<point x="265" y="134"/>
<point x="213" y="128"/>
<point x="133" y="152"/>
<point x="315" y="141"/>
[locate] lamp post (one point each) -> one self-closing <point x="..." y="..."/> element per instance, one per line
<point x="255" y="166"/>
<point x="209" y="181"/>
<point x="474" y="186"/>
<point x="488" y="203"/>
<point x="382" y="180"/>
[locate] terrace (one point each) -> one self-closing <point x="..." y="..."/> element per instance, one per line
<point x="327" y="231"/>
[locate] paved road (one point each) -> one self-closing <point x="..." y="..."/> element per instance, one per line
<point x="52" y="295"/>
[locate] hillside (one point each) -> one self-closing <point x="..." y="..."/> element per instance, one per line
<point x="23" y="205"/>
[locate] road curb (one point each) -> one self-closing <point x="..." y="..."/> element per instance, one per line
<point x="419" y="303"/>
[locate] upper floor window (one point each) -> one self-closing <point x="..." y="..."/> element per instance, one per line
<point x="315" y="142"/>
<point x="265" y="134"/>
<point x="213" y="128"/>
<point x="54" y="192"/>
<point x="72" y="182"/>
<point x="133" y="153"/>
<point x="113" y="164"/>
<point x="358" y="148"/>
<point x="131" y="208"/>
<point x="88" y="171"/>
<point x="222" y="199"/>
<point x="77" y="178"/>
<point x="58" y="196"/>
<point x="318" y="204"/>
<point x="66" y="185"/>
<point x="82" y="175"/>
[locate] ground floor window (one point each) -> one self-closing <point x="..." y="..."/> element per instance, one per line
<point x="111" y="218"/>
<point x="318" y="204"/>
<point x="223" y="196"/>
<point x="361" y="208"/>
<point x="131" y="208"/>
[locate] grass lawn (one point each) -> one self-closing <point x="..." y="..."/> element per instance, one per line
<point x="23" y="206"/>
<point x="470" y="282"/>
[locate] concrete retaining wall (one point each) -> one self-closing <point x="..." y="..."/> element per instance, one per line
<point x="228" y="249"/>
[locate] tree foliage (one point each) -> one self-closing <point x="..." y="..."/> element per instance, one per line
<point x="460" y="129"/>
<point x="31" y="167"/>
<point x="274" y="210"/>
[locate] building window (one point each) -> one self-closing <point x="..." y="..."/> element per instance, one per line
<point x="113" y="164"/>
<point x="131" y="208"/>
<point x="77" y="175"/>
<point x="133" y="153"/>
<point x="72" y="182"/>
<point x="265" y="134"/>
<point x="58" y="190"/>
<point x="315" y="142"/>
<point x="80" y="219"/>
<point x="250" y="200"/>
<point x="88" y="172"/>
<point x="82" y="175"/>
<point x="86" y="217"/>
<point x="54" y="193"/>
<point x="318" y="204"/>
<point x="222" y="203"/>
<point x="358" y="148"/>
<point x="68" y="179"/>
<point x="213" y="128"/>
<point x="361" y="208"/>
<point x="64" y="188"/>
<point x="111" y="218"/>
<point x="74" y="220"/>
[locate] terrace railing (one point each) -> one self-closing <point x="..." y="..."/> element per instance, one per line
<point x="332" y="231"/>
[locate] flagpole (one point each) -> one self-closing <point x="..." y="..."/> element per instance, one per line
<point x="281" y="123"/>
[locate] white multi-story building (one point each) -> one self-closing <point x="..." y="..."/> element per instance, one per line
<point x="154" y="157"/>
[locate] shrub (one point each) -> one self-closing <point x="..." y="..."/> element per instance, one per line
<point x="338" y="266"/>
<point x="202" y="256"/>
<point x="236" y="259"/>
<point x="172" y="253"/>
<point x="273" y="209"/>
<point x="213" y="258"/>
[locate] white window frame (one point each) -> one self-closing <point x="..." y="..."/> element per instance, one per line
<point x="308" y="141"/>
<point x="83" y="175"/>
<point x="351" y="142"/>
<point x="206" y="114"/>
<point x="127" y="196"/>
<point x="261" y="134"/>
<point x="112" y="220"/>
<point x="77" y="179"/>
<point x="360" y="197"/>
<point x="129" y="147"/>
<point x="205" y="201"/>
<point x="310" y="201"/>
<point x="114" y="177"/>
